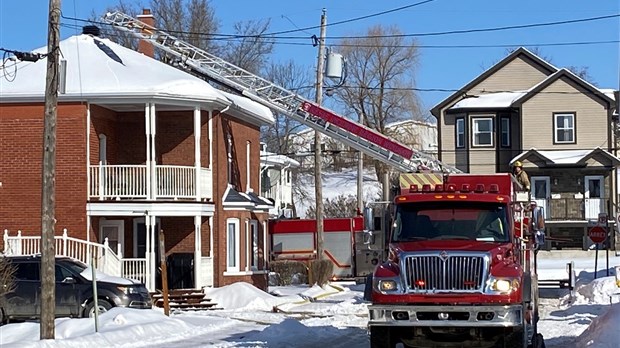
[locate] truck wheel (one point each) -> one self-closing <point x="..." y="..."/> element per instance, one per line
<point x="515" y="339"/>
<point x="380" y="337"/>
<point x="537" y="342"/>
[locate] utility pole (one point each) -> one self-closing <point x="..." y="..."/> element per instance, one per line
<point x="318" y="183"/>
<point x="48" y="193"/>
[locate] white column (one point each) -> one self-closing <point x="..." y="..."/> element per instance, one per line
<point x="147" y="254"/>
<point x="198" y="278"/>
<point x="88" y="171"/>
<point x="197" y="164"/>
<point x="265" y="251"/>
<point x="147" y="133"/>
<point x="211" y="140"/>
<point x="211" y="236"/>
<point x="153" y="120"/>
<point x="248" y="147"/>
<point x="154" y="240"/>
<point x="248" y="246"/>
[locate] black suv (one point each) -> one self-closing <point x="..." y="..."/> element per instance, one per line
<point x="74" y="290"/>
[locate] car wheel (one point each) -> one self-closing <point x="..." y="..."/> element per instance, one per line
<point x="2" y="319"/>
<point x="103" y="306"/>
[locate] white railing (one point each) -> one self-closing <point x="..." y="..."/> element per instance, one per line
<point x="175" y="182"/>
<point x="135" y="269"/>
<point x="131" y="181"/>
<point x="118" y="181"/>
<point x="105" y="260"/>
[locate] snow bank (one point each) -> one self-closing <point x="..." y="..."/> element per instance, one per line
<point x="597" y="291"/>
<point x="603" y="331"/>
<point x="246" y="296"/>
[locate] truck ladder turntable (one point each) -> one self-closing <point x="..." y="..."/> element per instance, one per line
<point x="209" y="67"/>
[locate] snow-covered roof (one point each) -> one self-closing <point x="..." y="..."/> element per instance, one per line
<point x="248" y="106"/>
<point x="102" y="71"/>
<point x="270" y="158"/>
<point x="565" y="157"/>
<point x="489" y="101"/>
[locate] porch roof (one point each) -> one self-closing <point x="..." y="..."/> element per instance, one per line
<point x="565" y="157"/>
<point x="500" y="100"/>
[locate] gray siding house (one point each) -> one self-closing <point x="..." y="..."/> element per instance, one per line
<point x="556" y="123"/>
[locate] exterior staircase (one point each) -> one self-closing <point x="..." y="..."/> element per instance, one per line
<point x="184" y="299"/>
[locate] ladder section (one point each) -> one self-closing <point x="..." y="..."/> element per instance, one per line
<point x="207" y="66"/>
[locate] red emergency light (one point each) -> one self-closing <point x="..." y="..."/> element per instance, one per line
<point x="465" y="188"/>
<point x="413" y="188"/>
<point x="494" y="188"/>
<point x="451" y="188"/>
<point x="426" y="188"/>
<point x="420" y="283"/>
<point x="438" y="187"/>
<point x="479" y="188"/>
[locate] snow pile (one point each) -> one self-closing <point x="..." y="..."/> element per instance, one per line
<point x="603" y="331"/>
<point x="598" y="291"/>
<point x="247" y="297"/>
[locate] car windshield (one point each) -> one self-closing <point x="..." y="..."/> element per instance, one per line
<point x="451" y="220"/>
<point x="74" y="266"/>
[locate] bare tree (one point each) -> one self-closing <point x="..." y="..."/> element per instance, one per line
<point x="295" y="78"/>
<point x="380" y="76"/>
<point x="7" y="277"/>
<point x="249" y="48"/>
<point x="120" y="37"/>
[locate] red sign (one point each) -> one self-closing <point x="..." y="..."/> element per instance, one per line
<point x="597" y="234"/>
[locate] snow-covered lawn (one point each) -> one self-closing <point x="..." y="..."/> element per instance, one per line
<point x="334" y="316"/>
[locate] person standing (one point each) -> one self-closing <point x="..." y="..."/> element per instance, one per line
<point x="521" y="175"/>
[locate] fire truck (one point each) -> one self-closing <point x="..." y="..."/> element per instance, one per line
<point x="445" y="280"/>
<point x="461" y="268"/>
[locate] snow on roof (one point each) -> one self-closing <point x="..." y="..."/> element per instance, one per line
<point x="608" y="92"/>
<point x="490" y="100"/>
<point x="270" y="158"/>
<point x="100" y="68"/>
<point x="248" y="106"/>
<point x="564" y="156"/>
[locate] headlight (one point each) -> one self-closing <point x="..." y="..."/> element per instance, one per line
<point x="128" y="290"/>
<point x="387" y="285"/>
<point x="502" y="285"/>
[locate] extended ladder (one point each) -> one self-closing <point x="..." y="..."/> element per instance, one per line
<point x="209" y="67"/>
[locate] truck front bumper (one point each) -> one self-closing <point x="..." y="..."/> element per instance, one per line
<point x="446" y="316"/>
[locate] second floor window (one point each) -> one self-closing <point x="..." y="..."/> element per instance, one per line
<point x="564" y="128"/>
<point x="505" y="131"/>
<point x="482" y="131"/>
<point x="460" y="132"/>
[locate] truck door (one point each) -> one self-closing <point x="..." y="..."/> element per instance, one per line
<point x="67" y="303"/>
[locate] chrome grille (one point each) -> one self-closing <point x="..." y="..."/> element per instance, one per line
<point x="445" y="272"/>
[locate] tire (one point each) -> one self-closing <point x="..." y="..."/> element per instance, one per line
<point x="537" y="342"/>
<point x="368" y="288"/>
<point x="89" y="310"/>
<point x="380" y="337"/>
<point x="2" y="318"/>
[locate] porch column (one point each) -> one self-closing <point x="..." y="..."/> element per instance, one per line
<point x="265" y="250"/>
<point x="211" y="141"/>
<point x="210" y="221"/>
<point x="147" y="133"/>
<point x="197" y="165"/>
<point x="153" y="119"/>
<point x="149" y="254"/>
<point x="198" y="279"/>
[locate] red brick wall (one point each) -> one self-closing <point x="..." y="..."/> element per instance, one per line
<point x="21" y="142"/>
<point x="242" y="132"/>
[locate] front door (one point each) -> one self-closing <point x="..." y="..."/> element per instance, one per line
<point x="541" y="192"/>
<point x="114" y="231"/>
<point x="594" y="196"/>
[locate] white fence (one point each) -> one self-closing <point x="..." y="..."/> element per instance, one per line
<point x="105" y="260"/>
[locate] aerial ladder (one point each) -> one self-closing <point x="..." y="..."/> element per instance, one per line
<point x="212" y="68"/>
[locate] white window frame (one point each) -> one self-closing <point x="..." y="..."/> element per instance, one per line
<point x="253" y="249"/>
<point x="505" y="130"/>
<point x="557" y="128"/>
<point x="474" y="132"/>
<point x="234" y="222"/>
<point x="460" y="133"/>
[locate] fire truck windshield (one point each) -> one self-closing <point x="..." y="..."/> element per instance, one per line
<point x="451" y="220"/>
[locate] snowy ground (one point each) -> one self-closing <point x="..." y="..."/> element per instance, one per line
<point x="334" y="316"/>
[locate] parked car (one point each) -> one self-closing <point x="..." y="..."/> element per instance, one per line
<point x="74" y="290"/>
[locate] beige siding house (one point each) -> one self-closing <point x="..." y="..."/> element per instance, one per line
<point x="557" y="124"/>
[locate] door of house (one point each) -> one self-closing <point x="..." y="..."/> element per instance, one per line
<point x="541" y="192"/>
<point x="594" y="196"/>
<point x="114" y="231"/>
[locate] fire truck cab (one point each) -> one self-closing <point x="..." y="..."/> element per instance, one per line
<point x="460" y="270"/>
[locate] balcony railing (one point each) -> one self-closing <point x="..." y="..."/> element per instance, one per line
<point x="564" y="209"/>
<point x="132" y="182"/>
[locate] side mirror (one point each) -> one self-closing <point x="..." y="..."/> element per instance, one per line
<point x="69" y="280"/>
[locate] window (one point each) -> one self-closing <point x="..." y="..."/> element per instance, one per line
<point x="564" y="128"/>
<point x="27" y="271"/>
<point x="232" y="242"/>
<point x="460" y="132"/>
<point x="505" y="131"/>
<point x="483" y="131"/>
<point x="254" y="250"/>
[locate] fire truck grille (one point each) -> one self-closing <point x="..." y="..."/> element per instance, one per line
<point x="453" y="273"/>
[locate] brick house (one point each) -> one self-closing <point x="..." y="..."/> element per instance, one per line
<point x="556" y="123"/>
<point x="141" y="147"/>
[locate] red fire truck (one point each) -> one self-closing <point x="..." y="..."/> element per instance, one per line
<point x="459" y="271"/>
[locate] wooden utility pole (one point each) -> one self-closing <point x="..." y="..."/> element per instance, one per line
<point x="164" y="272"/>
<point x="48" y="192"/>
<point x="318" y="183"/>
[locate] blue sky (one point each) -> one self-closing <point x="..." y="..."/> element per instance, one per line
<point x="24" y="27"/>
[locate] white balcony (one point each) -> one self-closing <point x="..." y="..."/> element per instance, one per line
<point x="133" y="182"/>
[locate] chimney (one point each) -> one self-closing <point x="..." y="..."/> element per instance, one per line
<point x="145" y="47"/>
<point x="91" y="30"/>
